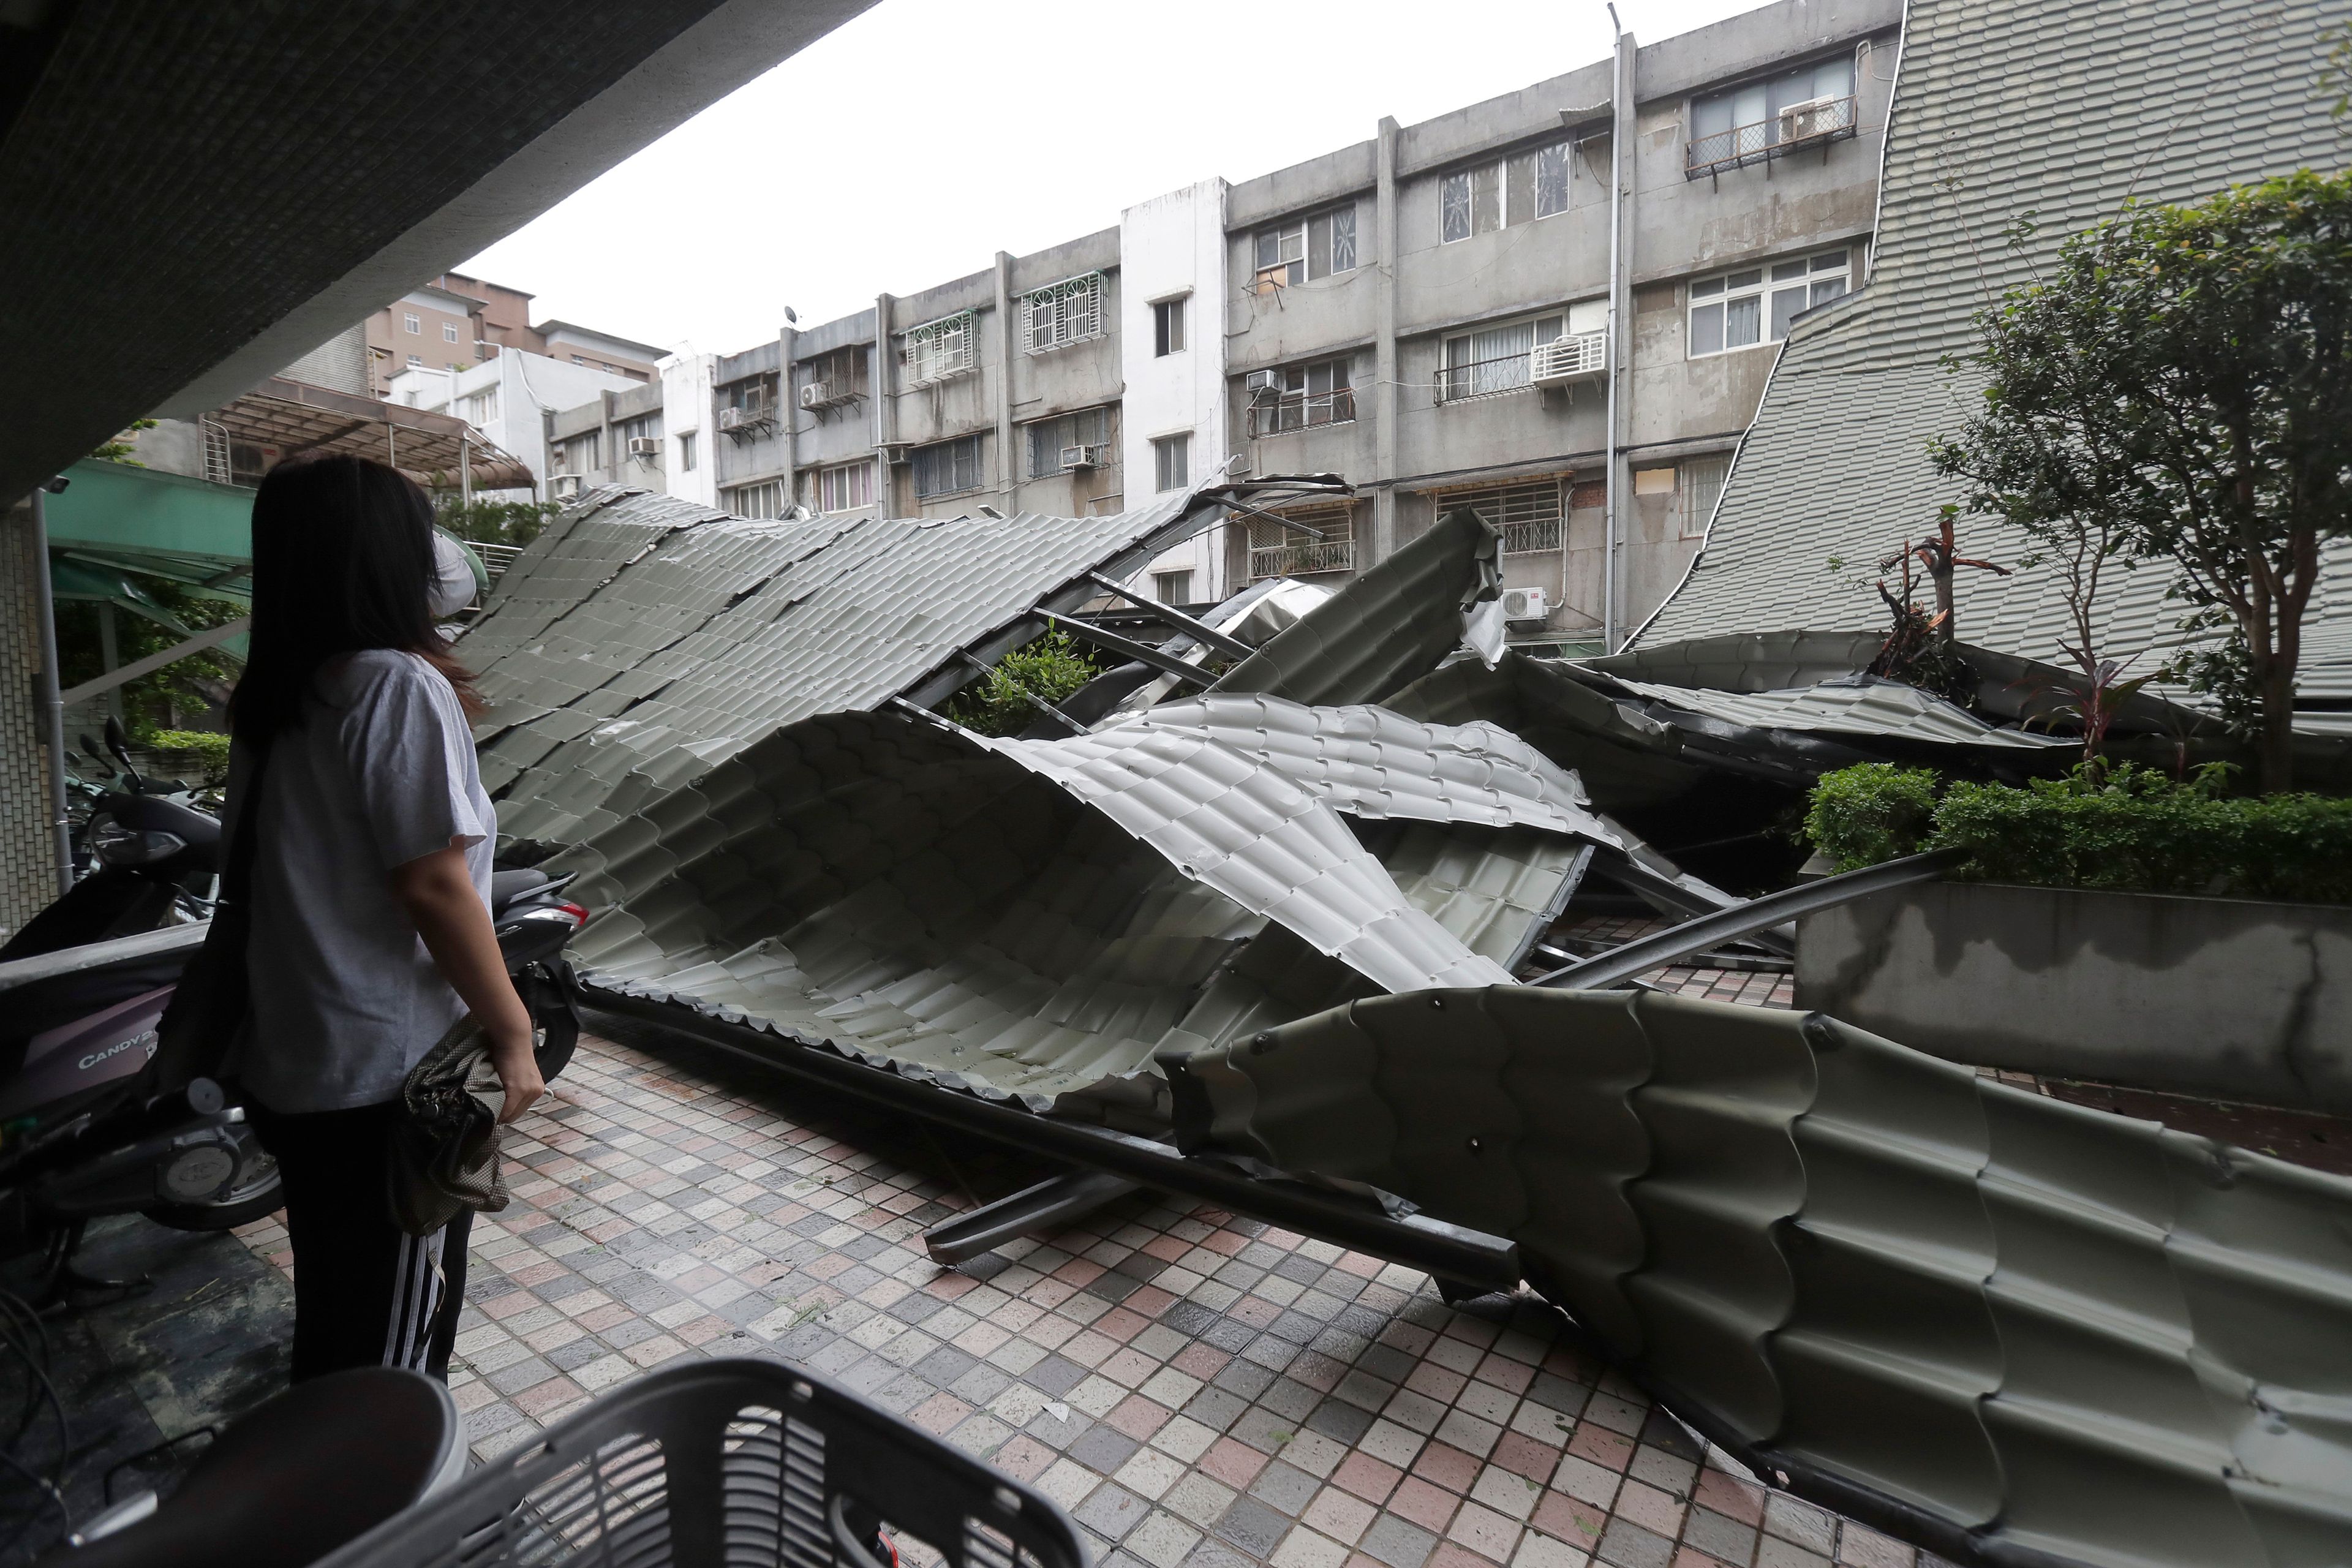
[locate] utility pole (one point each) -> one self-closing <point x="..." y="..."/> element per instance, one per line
<point x="46" y="696"/>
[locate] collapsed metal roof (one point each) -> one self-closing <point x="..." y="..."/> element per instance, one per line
<point x="2012" y="1330"/>
<point x="1835" y="466"/>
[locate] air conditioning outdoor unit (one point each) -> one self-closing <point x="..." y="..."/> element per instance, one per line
<point x="1814" y="116"/>
<point x="1524" y="605"/>
<point x="1082" y="456"/>
<point x="1259" y="385"/>
<point x="730" y="418"/>
<point x="645" y="448"/>
<point x="564" y="487"/>
<point x="817" y="394"/>
<point x="1570" y="358"/>
<point x="897" y="454"/>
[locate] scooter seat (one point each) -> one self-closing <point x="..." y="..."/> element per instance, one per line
<point x="505" y="887"/>
<point x="318" y="1465"/>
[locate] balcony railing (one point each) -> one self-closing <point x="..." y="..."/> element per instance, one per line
<point x="1570" y="358"/>
<point x="1813" y="123"/>
<point x="1299" y="411"/>
<point x="1301" y="560"/>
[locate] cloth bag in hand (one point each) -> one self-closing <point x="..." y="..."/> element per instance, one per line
<point x="445" y="1146"/>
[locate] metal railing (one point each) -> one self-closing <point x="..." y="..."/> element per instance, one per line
<point x="1484" y="377"/>
<point x="1302" y="560"/>
<point x="496" y="558"/>
<point x="1565" y="358"/>
<point x="1810" y="124"/>
<point x="1531" y="537"/>
<point x="1300" y="411"/>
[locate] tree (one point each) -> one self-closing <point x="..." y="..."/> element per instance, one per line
<point x="2179" y="389"/>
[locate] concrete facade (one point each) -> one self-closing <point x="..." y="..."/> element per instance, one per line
<point x="618" y="439"/>
<point x="457" y="322"/>
<point x="510" y="400"/>
<point x="1427" y="313"/>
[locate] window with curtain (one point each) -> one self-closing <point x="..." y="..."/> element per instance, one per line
<point x="1755" y="305"/>
<point x="1481" y="364"/>
<point x="1517" y="187"/>
<point x="844" y="487"/>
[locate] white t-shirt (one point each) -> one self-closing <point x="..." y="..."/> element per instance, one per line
<point x="345" y="998"/>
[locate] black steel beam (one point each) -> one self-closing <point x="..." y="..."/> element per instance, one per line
<point x="1650" y="953"/>
<point x="1448" y="1251"/>
<point x="1198" y="631"/>
<point x="1142" y="652"/>
<point x="1050" y="1203"/>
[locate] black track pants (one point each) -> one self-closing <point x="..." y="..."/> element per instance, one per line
<point x="365" y="1293"/>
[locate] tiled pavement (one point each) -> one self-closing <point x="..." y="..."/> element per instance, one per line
<point x="1199" y="1390"/>
<point x="1757" y="988"/>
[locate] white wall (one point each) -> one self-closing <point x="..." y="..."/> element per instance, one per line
<point x="1175" y="245"/>
<point x="530" y="386"/>
<point x="686" y="407"/>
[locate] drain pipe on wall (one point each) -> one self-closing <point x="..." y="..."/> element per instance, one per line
<point x="1621" y="126"/>
<point x="46" y="696"/>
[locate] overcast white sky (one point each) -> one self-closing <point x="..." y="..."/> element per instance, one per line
<point x="909" y="146"/>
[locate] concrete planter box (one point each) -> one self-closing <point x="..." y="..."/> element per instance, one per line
<point x="2226" y="997"/>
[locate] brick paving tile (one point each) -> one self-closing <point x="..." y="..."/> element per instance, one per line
<point x="1199" y="1389"/>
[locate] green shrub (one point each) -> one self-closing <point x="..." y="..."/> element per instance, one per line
<point x="1006" y="702"/>
<point x="2120" y="828"/>
<point x="198" y="749"/>
<point x="1871" y="812"/>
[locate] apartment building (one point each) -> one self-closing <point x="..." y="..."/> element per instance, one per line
<point x="457" y="322"/>
<point x="1558" y="307"/>
<point x="517" y="400"/>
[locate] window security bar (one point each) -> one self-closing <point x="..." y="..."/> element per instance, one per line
<point x="1815" y="122"/>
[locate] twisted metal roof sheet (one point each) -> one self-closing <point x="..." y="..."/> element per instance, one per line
<point x="2005" y="108"/>
<point x="1856" y="706"/>
<point x="2011" y="1329"/>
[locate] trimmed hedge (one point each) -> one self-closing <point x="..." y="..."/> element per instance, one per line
<point x="198" y="749"/>
<point x="2130" y="829"/>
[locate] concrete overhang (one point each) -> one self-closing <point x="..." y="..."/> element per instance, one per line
<point x="192" y="197"/>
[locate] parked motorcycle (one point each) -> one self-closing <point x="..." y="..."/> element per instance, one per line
<point x="85" y="1129"/>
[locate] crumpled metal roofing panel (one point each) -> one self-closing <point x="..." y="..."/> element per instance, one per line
<point x="2012" y="1330"/>
<point x="903" y="892"/>
<point x="1388" y="626"/>
<point x="1989" y="126"/>
<point x="1857" y="706"/>
<point x="685" y="635"/>
<point x="1239" y="791"/>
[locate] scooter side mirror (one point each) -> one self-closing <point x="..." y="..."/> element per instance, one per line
<point x="119" y="743"/>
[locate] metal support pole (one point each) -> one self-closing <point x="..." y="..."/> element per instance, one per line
<point x="110" y="656"/>
<point x="45" y="694"/>
<point x="1621" y="94"/>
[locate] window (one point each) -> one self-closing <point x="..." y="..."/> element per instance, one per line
<point x="1299" y="395"/>
<point x="1528" y="516"/>
<point x="1172" y="588"/>
<point x="479" y="409"/>
<point x="1702" y="487"/>
<point x="448" y="331"/>
<point x="686" y="452"/>
<point x="408" y="319"/>
<point x="1311" y="247"/>
<point x="1302" y="543"/>
<point x="947" y="468"/>
<point x="1168" y="328"/>
<point x="1516" y="188"/>
<point x="845" y="488"/>
<point x="760" y="502"/>
<point x="1052" y="439"/>
<point x="841" y="372"/>
<point x="1479" y="365"/>
<point x="416" y="358"/>
<point x="1759" y="120"/>
<point x="629" y="432"/>
<point x="1171" y="462"/>
<point x="1755" y="305"/>
<point x="939" y="350"/>
<point x="579" y="454"/>
<point x="1060" y="314"/>
<point x="578" y="359"/>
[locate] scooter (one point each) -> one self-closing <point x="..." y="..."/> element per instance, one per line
<point x="86" y="1129"/>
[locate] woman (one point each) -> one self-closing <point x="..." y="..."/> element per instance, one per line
<point x="371" y="928"/>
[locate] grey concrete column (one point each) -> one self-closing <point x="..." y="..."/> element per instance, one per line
<point x="886" y="412"/>
<point x="1384" y="346"/>
<point x="1007" y="464"/>
<point x="788" y="417"/>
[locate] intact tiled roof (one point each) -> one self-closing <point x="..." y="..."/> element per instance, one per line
<point x="2005" y="108"/>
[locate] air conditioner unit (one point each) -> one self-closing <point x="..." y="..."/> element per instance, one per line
<point x="1082" y="456"/>
<point x="1259" y="385"/>
<point x="897" y="454"/>
<point x="564" y="487"/>
<point x="1524" y="605"/>
<point x="1814" y="116"/>
<point x="645" y="448"/>
<point x="817" y="394"/>
<point x="1570" y="358"/>
<point x="730" y="419"/>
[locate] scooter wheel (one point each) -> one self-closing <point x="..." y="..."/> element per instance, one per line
<point x="248" y="1201"/>
<point x="559" y="1033"/>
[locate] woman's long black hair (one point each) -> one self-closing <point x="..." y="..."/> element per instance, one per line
<point x="343" y="560"/>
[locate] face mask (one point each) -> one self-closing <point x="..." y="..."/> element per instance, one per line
<point x="453" y="578"/>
